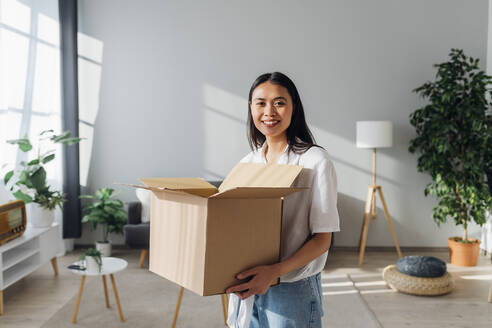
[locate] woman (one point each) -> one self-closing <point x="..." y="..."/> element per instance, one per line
<point x="278" y="133"/>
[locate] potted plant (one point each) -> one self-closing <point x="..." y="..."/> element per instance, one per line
<point x="28" y="183"/>
<point x="106" y="211"/>
<point x="93" y="260"/>
<point x="454" y="140"/>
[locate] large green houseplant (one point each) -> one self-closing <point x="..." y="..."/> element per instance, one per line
<point x="28" y="182"/>
<point x="454" y="138"/>
<point x="106" y="211"/>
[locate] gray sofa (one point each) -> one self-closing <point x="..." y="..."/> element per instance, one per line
<point x="137" y="233"/>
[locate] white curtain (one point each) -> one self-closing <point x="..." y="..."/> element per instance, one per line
<point x="30" y="100"/>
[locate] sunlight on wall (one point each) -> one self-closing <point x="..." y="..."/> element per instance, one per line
<point x="225" y="102"/>
<point x="224" y="126"/>
<point x="90" y="48"/>
<point x="90" y="51"/>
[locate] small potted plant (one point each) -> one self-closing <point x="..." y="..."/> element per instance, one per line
<point x="106" y="211"/>
<point x="93" y="260"/>
<point x="28" y="183"/>
<point x="454" y="138"/>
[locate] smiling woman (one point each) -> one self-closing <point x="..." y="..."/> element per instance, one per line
<point x="278" y="133"/>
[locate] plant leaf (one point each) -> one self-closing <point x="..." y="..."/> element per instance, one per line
<point x="46" y="131"/>
<point x="38" y="179"/>
<point x="57" y="138"/>
<point x="34" y="162"/>
<point x="20" y="195"/>
<point x="7" y="176"/>
<point x="23" y="143"/>
<point x="70" y="141"/>
<point x="48" y="158"/>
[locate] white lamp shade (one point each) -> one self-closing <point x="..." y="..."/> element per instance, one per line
<point x="374" y="134"/>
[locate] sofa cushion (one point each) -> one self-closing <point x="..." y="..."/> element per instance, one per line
<point x="421" y="266"/>
<point x="137" y="235"/>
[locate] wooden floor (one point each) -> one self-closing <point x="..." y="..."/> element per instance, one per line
<point x="34" y="299"/>
<point x="466" y="306"/>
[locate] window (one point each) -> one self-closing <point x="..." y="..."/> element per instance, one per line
<point x="30" y="100"/>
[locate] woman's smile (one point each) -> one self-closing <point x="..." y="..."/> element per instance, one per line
<point x="270" y="123"/>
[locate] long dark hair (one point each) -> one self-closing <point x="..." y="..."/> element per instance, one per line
<point x="299" y="137"/>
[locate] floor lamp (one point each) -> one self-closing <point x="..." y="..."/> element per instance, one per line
<point x="374" y="134"/>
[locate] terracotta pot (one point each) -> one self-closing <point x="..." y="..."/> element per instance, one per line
<point x="463" y="254"/>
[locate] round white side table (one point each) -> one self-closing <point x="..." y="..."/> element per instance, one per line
<point x="109" y="266"/>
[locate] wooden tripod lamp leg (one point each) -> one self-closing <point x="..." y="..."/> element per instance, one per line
<point x="373" y="205"/>
<point x="178" y="304"/>
<point x="369" y="194"/>
<point x="365" y="223"/>
<point x="388" y="218"/>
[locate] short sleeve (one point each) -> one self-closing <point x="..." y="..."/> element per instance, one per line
<point x="248" y="158"/>
<point x="323" y="215"/>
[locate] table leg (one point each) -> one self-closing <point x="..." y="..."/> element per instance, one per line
<point x="79" y="296"/>
<point x="1" y="302"/>
<point x="177" y="307"/>
<point x="105" y="290"/>
<point x="490" y="293"/>
<point x="115" y="291"/>
<point x="54" y="264"/>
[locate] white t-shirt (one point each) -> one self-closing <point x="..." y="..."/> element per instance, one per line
<point x="309" y="211"/>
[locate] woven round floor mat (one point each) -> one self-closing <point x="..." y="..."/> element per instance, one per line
<point x="417" y="285"/>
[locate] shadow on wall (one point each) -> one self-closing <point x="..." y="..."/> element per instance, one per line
<point x="351" y="211"/>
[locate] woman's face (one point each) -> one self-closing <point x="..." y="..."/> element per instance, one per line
<point x="271" y="109"/>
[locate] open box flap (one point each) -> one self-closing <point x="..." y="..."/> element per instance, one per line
<point x="257" y="192"/>
<point x="261" y="175"/>
<point x="193" y="186"/>
<point x="150" y="188"/>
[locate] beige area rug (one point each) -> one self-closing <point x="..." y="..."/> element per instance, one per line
<point x="149" y="301"/>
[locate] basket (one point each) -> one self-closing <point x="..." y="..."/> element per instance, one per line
<point x="417" y="285"/>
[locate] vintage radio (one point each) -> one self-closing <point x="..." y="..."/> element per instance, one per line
<point x="12" y="220"/>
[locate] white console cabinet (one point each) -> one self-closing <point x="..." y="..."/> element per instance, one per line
<point x="23" y="255"/>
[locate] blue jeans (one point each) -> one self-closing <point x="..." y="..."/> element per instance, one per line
<point x="290" y="304"/>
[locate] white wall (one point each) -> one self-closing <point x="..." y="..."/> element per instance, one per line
<point x="173" y="79"/>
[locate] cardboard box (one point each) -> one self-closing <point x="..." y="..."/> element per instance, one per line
<point x="201" y="236"/>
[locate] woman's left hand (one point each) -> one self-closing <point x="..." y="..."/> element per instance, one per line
<point x="263" y="277"/>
